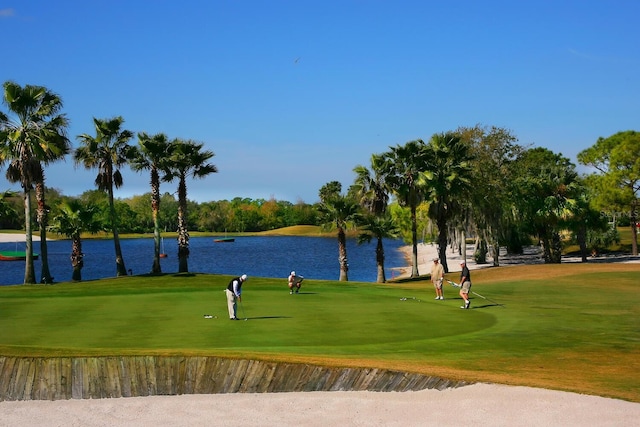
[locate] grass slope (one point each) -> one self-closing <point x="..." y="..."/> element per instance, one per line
<point x="568" y="327"/>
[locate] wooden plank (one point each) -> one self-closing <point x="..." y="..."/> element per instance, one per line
<point x="151" y="381"/>
<point x="125" y="376"/>
<point x="199" y="374"/>
<point x="28" y="370"/>
<point x="7" y="378"/>
<point x="113" y="377"/>
<point x="92" y="374"/>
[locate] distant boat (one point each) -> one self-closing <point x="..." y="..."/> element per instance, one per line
<point x="14" y="255"/>
<point x="224" y="240"/>
<point x="163" y="254"/>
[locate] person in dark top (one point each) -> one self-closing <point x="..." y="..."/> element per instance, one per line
<point x="465" y="284"/>
<point x="234" y="292"/>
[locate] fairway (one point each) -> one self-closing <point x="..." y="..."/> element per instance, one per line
<point x="555" y="327"/>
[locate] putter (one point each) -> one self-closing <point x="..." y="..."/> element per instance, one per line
<point x="454" y="284"/>
<point x="243" y="312"/>
<point x="476" y="294"/>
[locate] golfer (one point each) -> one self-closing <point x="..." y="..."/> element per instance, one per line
<point x="234" y="292"/>
<point x="295" y="281"/>
<point x="465" y="284"/>
<point x="437" y="277"/>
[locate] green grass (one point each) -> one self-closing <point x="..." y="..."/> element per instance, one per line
<point x="566" y="327"/>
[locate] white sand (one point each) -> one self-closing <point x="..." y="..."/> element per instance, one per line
<point x="16" y="237"/>
<point x="477" y="405"/>
<point x="427" y="252"/>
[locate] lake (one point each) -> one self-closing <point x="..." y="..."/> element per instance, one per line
<point x="273" y="256"/>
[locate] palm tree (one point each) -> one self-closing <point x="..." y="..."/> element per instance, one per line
<point x="108" y="151"/>
<point x="402" y="168"/>
<point x="380" y="227"/>
<point x="544" y="191"/>
<point x="370" y="186"/>
<point x="371" y="189"/>
<point x="152" y="156"/>
<point x="337" y="211"/>
<point x="74" y="218"/>
<point x="186" y="158"/>
<point x="447" y="180"/>
<point x="36" y="134"/>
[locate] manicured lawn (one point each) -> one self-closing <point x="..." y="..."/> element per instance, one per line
<point x="568" y="327"/>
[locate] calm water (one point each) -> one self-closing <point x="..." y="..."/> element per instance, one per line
<point x="312" y="257"/>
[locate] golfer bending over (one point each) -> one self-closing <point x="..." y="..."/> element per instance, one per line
<point x="234" y="292"/>
<point x="465" y="284"/>
<point x="294" y="282"/>
<point x="437" y="277"/>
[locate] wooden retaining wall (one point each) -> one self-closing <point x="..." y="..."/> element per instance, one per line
<point x="32" y="378"/>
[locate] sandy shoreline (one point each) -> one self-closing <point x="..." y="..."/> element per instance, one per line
<point x="478" y="404"/>
<point x="427" y="252"/>
<point x="17" y="237"/>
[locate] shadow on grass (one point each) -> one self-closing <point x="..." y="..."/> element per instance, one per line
<point x="268" y="317"/>
<point x="486" y="306"/>
<point x="410" y="279"/>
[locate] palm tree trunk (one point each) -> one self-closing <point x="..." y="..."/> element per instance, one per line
<point x="77" y="261"/>
<point x="156" y="268"/>
<point x="342" y="258"/>
<point x="155" y="208"/>
<point x="581" y="237"/>
<point x="42" y="218"/>
<point x="463" y="243"/>
<point x="442" y="243"/>
<point x="546" y="249"/>
<point x="556" y="248"/>
<point x="380" y="261"/>
<point x="29" y="273"/>
<point x="496" y="254"/>
<point x="183" y="234"/>
<point x="414" y="242"/>
<point x="44" y="257"/>
<point x="121" y="270"/>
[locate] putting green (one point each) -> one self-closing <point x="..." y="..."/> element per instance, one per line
<point x="565" y="327"/>
<point x="320" y="318"/>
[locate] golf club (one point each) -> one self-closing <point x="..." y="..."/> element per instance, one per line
<point x="243" y="313"/>
<point x="476" y="294"/>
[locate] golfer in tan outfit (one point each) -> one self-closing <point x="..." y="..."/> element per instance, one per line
<point x="437" y="277"/>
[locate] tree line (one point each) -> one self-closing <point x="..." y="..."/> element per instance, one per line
<point x="474" y="182"/>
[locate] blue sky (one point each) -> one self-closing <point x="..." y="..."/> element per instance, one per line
<point x="290" y="95"/>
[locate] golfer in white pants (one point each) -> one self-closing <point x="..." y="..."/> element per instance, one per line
<point x="234" y="292"/>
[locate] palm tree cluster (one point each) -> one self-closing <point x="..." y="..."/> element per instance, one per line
<point x="437" y="172"/>
<point x="33" y="135"/>
<point x="476" y="182"/>
<point x="469" y="182"/>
